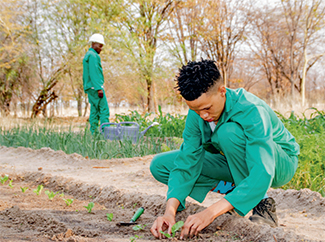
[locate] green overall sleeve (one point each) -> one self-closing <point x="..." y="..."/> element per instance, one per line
<point x="96" y="72"/>
<point x="260" y="160"/>
<point x="189" y="162"/>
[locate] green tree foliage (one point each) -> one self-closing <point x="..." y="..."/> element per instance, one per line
<point x="141" y="23"/>
<point x="14" y="63"/>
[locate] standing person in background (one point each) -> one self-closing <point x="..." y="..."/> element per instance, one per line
<point x="93" y="82"/>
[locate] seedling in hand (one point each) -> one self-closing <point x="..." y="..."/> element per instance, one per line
<point x="109" y="216"/>
<point x="4" y="179"/>
<point x="38" y="190"/>
<point x="89" y="207"/>
<point x="139" y="227"/>
<point x="10" y="184"/>
<point x="175" y="228"/>
<point x="23" y="189"/>
<point x="68" y="201"/>
<point x="51" y="194"/>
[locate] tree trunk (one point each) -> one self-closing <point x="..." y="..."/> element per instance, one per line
<point x="292" y="93"/>
<point x="154" y="97"/>
<point x="150" y="103"/>
<point x="6" y="88"/>
<point x="42" y="101"/>
<point x="303" y="81"/>
<point x="15" y="108"/>
<point x="27" y="108"/>
<point x="224" y="76"/>
<point x="79" y="101"/>
<point x="86" y="106"/>
<point x="5" y="103"/>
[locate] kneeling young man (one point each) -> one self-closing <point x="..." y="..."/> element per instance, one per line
<point x="230" y="136"/>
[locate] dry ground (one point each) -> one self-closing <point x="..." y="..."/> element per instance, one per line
<point x="120" y="186"/>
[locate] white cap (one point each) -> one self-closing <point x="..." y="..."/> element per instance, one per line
<point x="98" y="38"/>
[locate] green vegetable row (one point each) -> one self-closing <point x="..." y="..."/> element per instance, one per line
<point x="308" y="131"/>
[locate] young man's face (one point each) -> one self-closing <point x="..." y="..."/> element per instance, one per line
<point x="97" y="47"/>
<point x="209" y="106"/>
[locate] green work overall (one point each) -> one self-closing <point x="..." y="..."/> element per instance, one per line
<point x="93" y="81"/>
<point x="250" y="147"/>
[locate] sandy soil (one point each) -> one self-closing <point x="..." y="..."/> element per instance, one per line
<point x="120" y="186"/>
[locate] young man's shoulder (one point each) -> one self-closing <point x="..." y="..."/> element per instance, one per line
<point x="244" y="96"/>
<point x="91" y="53"/>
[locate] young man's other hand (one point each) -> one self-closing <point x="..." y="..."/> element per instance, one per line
<point x="100" y="93"/>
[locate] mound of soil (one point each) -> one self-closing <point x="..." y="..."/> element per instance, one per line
<point x="120" y="187"/>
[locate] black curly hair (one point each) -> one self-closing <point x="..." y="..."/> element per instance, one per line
<point x="196" y="78"/>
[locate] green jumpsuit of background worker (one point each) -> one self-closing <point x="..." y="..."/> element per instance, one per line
<point x="259" y="152"/>
<point x="93" y="80"/>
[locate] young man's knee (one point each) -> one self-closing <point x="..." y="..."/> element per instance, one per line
<point x="230" y="134"/>
<point x="154" y="167"/>
<point x="161" y="165"/>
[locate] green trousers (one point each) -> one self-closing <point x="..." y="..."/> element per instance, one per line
<point x="230" y="167"/>
<point x="99" y="110"/>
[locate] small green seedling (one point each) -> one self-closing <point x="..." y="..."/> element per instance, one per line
<point x="61" y="194"/>
<point x="51" y="194"/>
<point x="109" y="216"/>
<point x="38" y="190"/>
<point x="23" y="189"/>
<point x="89" y="207"/>
<point x="132" y="239"/>
<point x="10" y="184"/>
<point x="175" y="228"/>
<point x="4" y="179"/>
<point x="134" y="205"/>
<point x="139" y="227"/>
<point x="68" y="201"/>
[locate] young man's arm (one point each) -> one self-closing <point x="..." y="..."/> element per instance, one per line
<point x="189" y="162"/>
<point x="188" y="166"/>
<point x="95" y="74"/>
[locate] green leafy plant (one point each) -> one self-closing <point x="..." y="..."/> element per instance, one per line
<point x="51" y="194"/>
<point x="109" y="216"/>
<point x="68" y="201"/>
<point x="134" y="205"/>
<point x="23" y="189"/>
<point x="61" y="194"/>
<point x="38" y="190"/>
<point x="175" y="228"/>
<point x="4" y="179"/>
<point x="308" y="131"/>
<point x="89" y="207"/>
<point x="10" y="184"/>
<point x="139" y="227"/>
<point x="132" y="239"/>
<point x="36" y="136"/>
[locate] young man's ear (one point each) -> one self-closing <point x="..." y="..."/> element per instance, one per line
<point x="222" y="89"/>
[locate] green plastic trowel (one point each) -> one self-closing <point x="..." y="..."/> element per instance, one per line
<point x="133" y="219"/>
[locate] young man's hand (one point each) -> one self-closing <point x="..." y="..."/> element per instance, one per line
<point x="163" y="223"/>
<point x="195" y="223"/>
<point x="167" y="221"/>
<point x="100" y="93"/>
